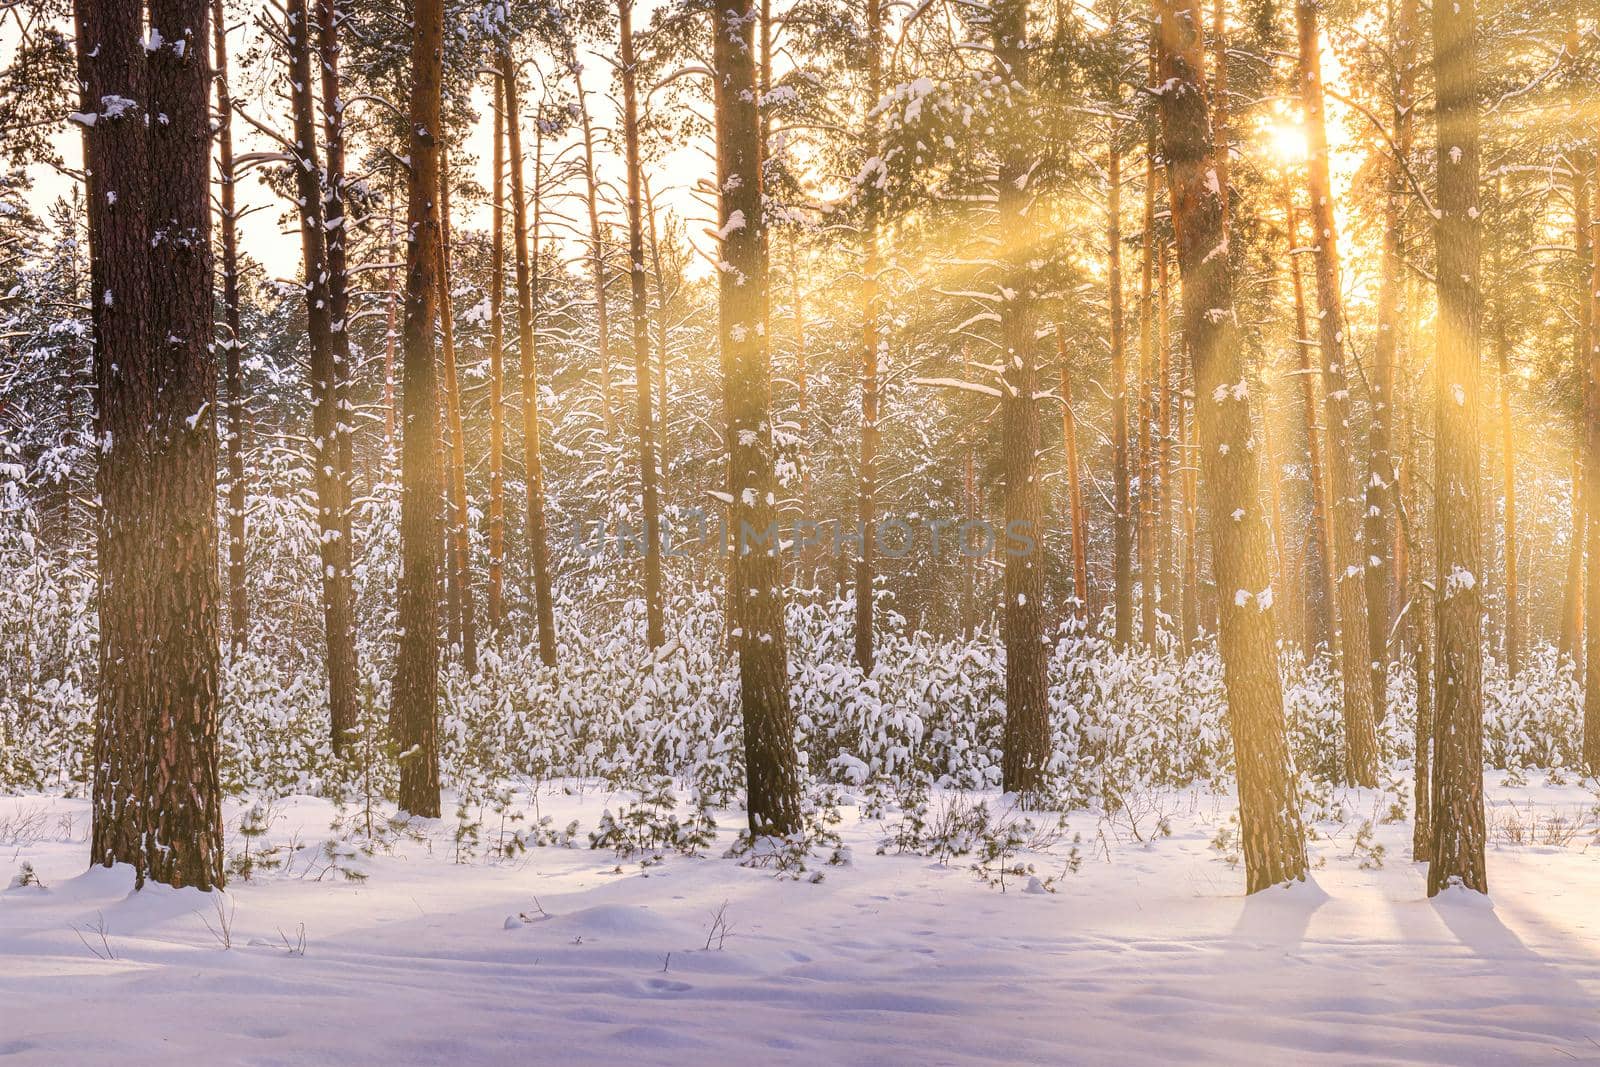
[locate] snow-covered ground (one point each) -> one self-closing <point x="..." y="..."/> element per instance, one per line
<point x="1147" y="953"/>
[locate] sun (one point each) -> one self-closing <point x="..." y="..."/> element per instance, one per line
<point x="1287" y="142"/>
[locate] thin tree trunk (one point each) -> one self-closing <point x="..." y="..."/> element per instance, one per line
<point x="497" y="374"/>
<point x="871" y="342"/>
<point x="1379" y="533"/>
<point x="460" y="525"/>
<point x="1345" y="502"/>
<point x="1075" y="514"/>
<point x="1319" y="586"/>
<point x="661" y="336"/>
<point x="416" y="685"/>
<point x="533" y="462"/>
<point x="1167" y="561"/>
<point x="1122" y="532"/>
<point x="238" y="600"/>
<point x="1269" y="809"/>
<point x="655" y="628"/>
<point x="1591" y="496"/>
<point x="325" y="366"/>
<point x="1457" y="808"/>
<point x="1147" y="384"/>
<point x="597" y="264"/>
<point x="771" y="761"/>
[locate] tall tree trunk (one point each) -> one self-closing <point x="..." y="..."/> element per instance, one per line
<point x="1457" y="808"/>
<point x="1269" y="809"/>
<point x="157" y="799"/>
<point x="497" y="373"/>
<point x="238" y="600"/>
<point x="416" y="684"/>
<point x="1508" y="459"/>
<point x="597" y="265"/>
<point x="1345" y="503"/>
<point x="655" y="628"/>
<point x="1189" y="608"/>
<point x="533" y="461"/>
<point x="661" y="337"/>
<point x="1379" y="532"/>
<point x="460" y="521"/>
<point x="1147" y="417"/>
<point x="1319" y="585"/>
<point x="332" y="494"/>
<point x="1075" y="515"/>
<point x="1122" y="532"/>
<point x="871" y="341"/>
<point x="1166" y="565"/>
<point x="969" y="516"/>
<point x="335" y="224"/>
<point x="1573" y="613"/>
<point x="1026" y="742"/>
<point x="1591" y="497"/>
<point x="771" y="762"/>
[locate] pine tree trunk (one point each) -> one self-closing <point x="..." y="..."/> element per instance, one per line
<point x="533" y="462"/>
<point x="1345" y="501"/>
<point x="497" y="373"/>
<point x="1122" y="532"/>
<point x="1026" y="743"/>
<point x="655" y="628"/>
<point x="1167" y="561"/>
<point x="1147" y="418"/>
<point x="1269" y="809"/>
<point x="771" y="762"/>
<point x="597" y="265"/>
<point x="1591" y="497"/>
<point x="1508" y="459"/>
<point x="661" y="338"/>
<point x="228" y="214"/>
<point x="1318" y="571"/>
<point x="460" y="521"/>
<point x="325" y="366"/>
<point x="871" y="341"/>
<point x="1083" y="609"/>
<point x="1379" y="530"/>
<point x="1457" y="808"/>
<point x="416" y="684"/>
<point x="157" y="799"/>
<point x="1573" y="612"/>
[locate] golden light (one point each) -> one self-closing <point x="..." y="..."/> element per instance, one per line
<point x="1287" y="142"/>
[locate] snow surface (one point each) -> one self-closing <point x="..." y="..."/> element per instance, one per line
<point x="1148" y="953"/>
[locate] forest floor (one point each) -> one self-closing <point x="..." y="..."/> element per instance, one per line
<point x="1148" y="952"/>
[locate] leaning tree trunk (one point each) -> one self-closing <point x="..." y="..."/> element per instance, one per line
<point x="771" y="762"/>
<point x="416" y="684"/>
<point x="1457" y="808"/>
<point x="1345" y="503"/>
<point x="533" y="460"/>
<point x="228" y="215"/>
<point x="1269" y="809"/>
<point x="654" y="627"/>
<point x="1026" y="748"/>
<point x="157" y="799"/>
<point x="333" y="547"/>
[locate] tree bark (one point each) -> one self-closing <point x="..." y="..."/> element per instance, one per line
<point x="771" y="762"/>
<point x="533" y="462"/>
<point x="416" y="685"/>
<point x="1078" y="524"/>
<point x="871" y="342"/>
<point x="654" y="625"/>
<point x="1457" y="808"/>
<point x="1345" y="496"/>
<point x="228" y="214"/>
<point x="157" y="799"/>
<point x="597" y="265"/>
<point x="1269" y="809"/>
<point x="460" y="520"/>
<point x="1122" y="532"/>
<point x="1026" y="743"/>
<point x="497" y="373"/>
